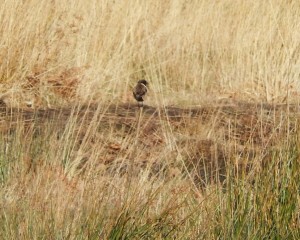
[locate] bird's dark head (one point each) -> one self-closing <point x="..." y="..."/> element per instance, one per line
<point x="143" y="81"/>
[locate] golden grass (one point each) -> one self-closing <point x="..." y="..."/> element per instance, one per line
<point x="188" y="51"/>
<point x="96" y="173"/>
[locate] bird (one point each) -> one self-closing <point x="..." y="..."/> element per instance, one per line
<point x="140" y="91"/>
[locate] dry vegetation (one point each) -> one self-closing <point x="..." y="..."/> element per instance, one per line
<point x="214" y="154"/>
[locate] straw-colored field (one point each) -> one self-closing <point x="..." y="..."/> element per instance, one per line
<point x="214" y="153"/>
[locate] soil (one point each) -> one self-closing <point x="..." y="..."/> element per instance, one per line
<point x="201" y="142"/>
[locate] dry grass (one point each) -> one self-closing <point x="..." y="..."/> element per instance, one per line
<point x="197" y="51"/>
<point x="224" y="168"/>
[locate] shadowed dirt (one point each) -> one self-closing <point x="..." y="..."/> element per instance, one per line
<point x="204" y="140"/>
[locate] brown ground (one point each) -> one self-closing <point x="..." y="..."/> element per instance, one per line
<point x="198" y="141"/>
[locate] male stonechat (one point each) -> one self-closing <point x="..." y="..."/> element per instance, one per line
<point x="140" y="91"/>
